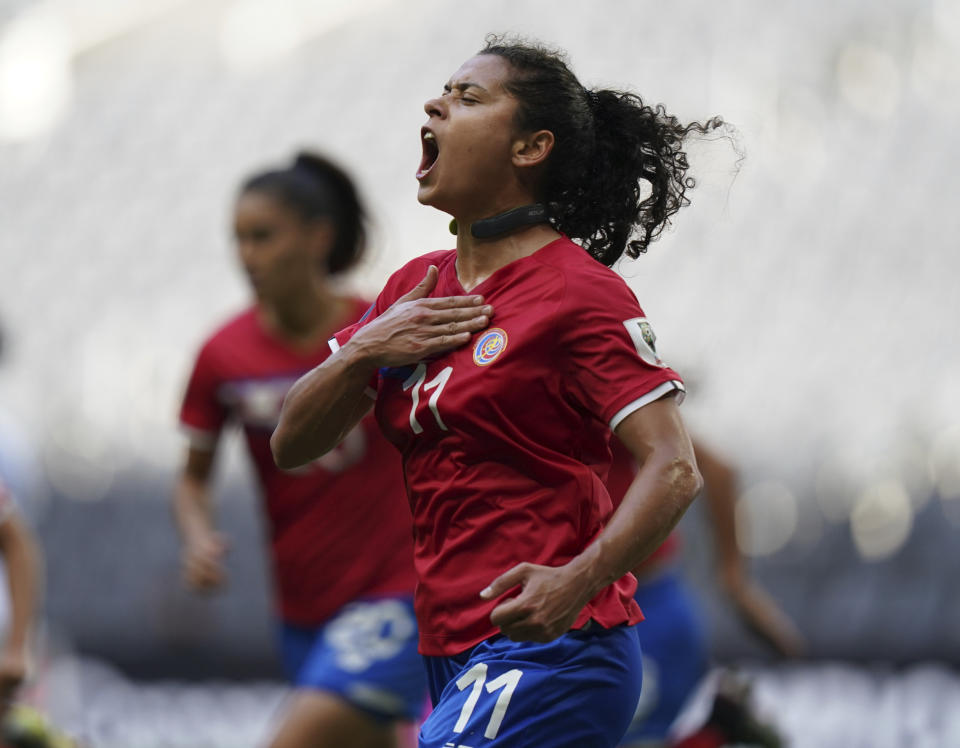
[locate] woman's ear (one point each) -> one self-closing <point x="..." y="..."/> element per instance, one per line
<point x="532" y="149"/>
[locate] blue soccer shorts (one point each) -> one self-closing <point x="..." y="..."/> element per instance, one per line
<point x="578" y="691"/>
<point x="366" y="654"/>
<point x="675" y="656"/>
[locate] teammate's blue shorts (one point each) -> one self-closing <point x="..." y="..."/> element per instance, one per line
<point x="675" y="655"/>
<point x="578" y="691"/>
<point x="366" y="654"/>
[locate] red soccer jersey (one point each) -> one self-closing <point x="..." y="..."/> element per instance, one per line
<point x="340" y="527"/>
<point x="505" y="440"/>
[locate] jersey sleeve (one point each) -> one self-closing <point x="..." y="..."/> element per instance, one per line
<point x="202" y="415"/>
<point x="342" y="337"/>
<point x="613" y="365"/>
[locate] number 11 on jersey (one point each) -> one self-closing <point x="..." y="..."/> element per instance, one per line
<point x="417" y="380"/>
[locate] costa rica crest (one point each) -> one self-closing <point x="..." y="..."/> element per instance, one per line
<point x="489" y="346"/>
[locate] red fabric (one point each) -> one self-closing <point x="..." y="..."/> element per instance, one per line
<point x="512" y="452"/>
<point x="705" y="737"/>
<point x="340" y="527"/>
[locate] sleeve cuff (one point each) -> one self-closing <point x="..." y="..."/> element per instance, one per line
<point x="334" y="347"/>
<point x="655" y="394"/>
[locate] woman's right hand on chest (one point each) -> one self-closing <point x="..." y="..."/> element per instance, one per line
<point x="417" y="326"/>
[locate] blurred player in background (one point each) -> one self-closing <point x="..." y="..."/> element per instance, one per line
<point x="672" y="636"/>
<point x="22" y="725"/>
<point x="21" y="559"/>
<point x="340" y="527"/>
<point x="499" y="370"/>
<point x="21" y="562"/>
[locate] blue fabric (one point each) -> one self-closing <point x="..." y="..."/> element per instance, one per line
<point x="578" y="691"/>
<point x="675" y="656"/>
<point x="367" y="654"/>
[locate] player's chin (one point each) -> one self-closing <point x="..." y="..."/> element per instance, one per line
<point x="438" y="195"/>
<point x="427" y="194"/>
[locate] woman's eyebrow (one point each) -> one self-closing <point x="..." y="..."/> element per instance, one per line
<point x="463" y="86"/>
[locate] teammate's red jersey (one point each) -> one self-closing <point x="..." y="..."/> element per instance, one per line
<point x="505" y="440"/>
<point x="340" y="527"/>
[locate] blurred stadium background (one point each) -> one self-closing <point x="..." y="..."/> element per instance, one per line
<point x="809" y="294"/>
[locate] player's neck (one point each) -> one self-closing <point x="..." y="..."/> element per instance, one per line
<point x="478" y="259"/>
<point x="302" y="319"/>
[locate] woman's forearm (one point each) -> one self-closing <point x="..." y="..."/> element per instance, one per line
<point x="662" y="490"/>
<point x="552" y="597"/>
<point x="192" y="507"/>
<point x="720" y="493"/>
<point x="321" y="407"/>
<point x="23" y="561"/>
<point x="666" y="482"/>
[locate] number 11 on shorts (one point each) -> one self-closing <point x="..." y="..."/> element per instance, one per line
<point x="477" y="676"/>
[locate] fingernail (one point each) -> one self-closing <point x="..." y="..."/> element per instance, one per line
<point x="487" y="309"/>
<point x="477" y="299"/>
<point x="486" y="592"/>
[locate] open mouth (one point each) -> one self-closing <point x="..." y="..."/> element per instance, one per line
<point x="431" y="151"/>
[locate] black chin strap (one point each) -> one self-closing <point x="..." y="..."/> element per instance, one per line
<point x="504" y="223"/>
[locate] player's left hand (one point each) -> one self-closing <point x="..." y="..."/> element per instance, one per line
<point x="549" y="602"/>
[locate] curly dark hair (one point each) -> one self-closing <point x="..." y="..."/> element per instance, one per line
<point x="315" y="187"/>
<point x="606" y="143"/>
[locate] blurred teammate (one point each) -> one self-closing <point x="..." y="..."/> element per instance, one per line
<point x="21" y="561"/>
<point x="672" y="638"/>
<point x="22" y="725"/>
<point x="339" y="526"/>
<point x="499" y="369"/>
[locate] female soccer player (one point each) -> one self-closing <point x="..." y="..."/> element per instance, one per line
<point x="499" y="370"/>
<point x="339" y="526"/>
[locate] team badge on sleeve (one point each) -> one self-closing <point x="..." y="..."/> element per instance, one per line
<point x="644" y="340"/>
<point x="491" y="344"/>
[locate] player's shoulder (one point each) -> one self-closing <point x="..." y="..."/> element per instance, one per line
<point x="236" y="331"/>
<point x="238" y="325"/>
<point x="585" y="279"/>
<point x="359" y="307"/>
